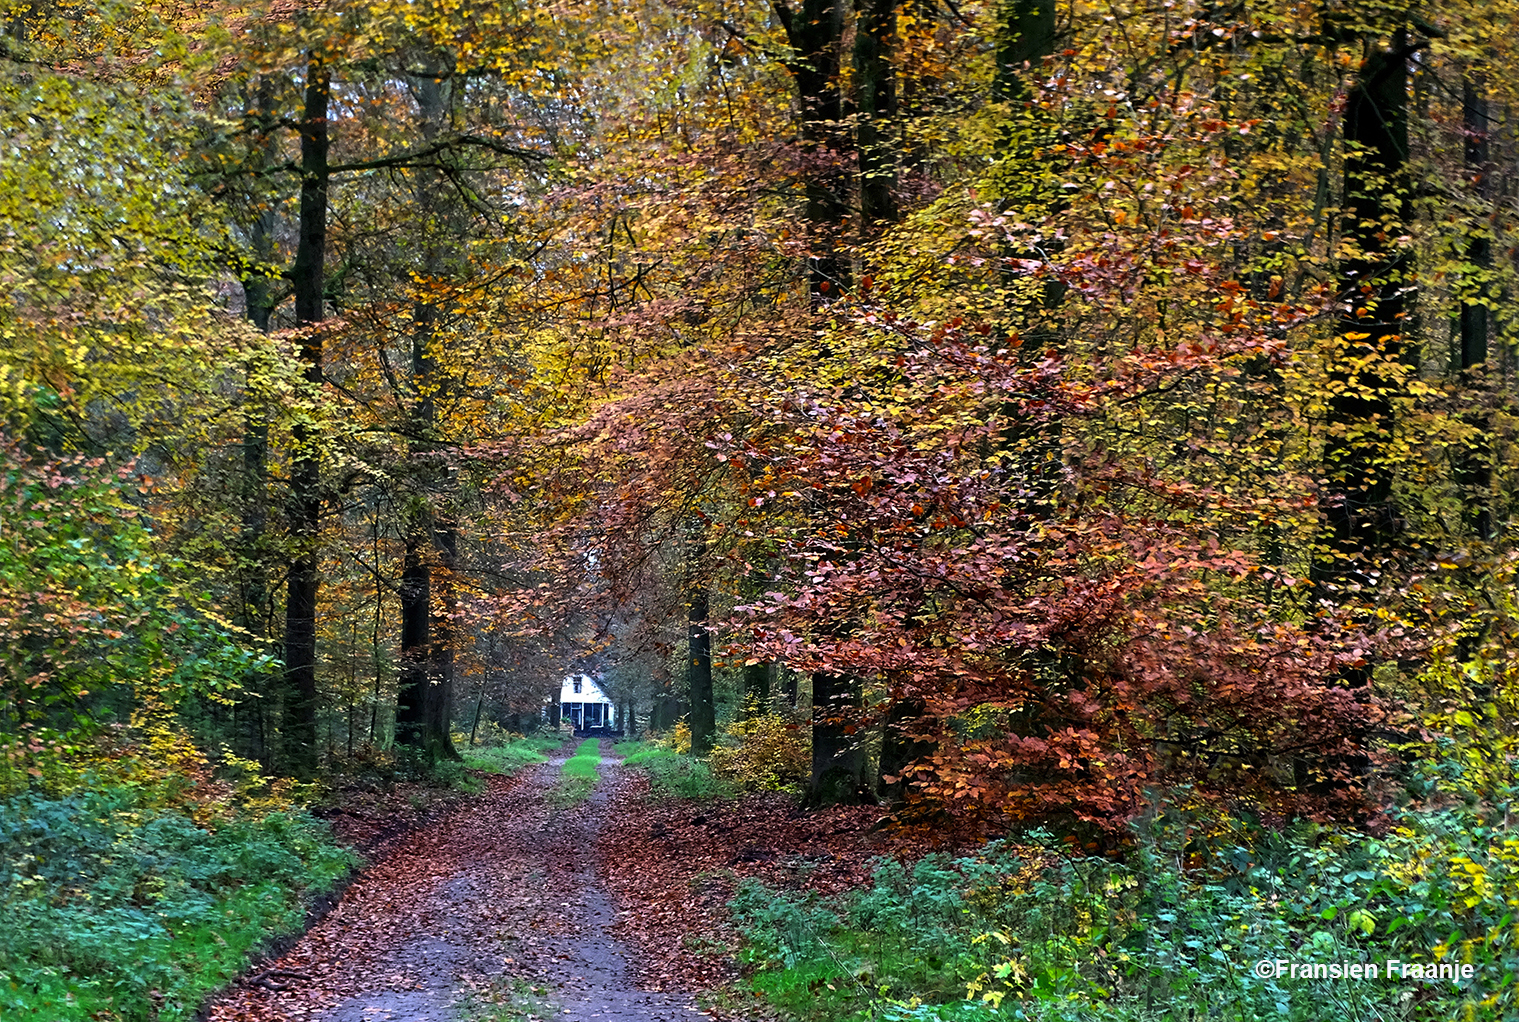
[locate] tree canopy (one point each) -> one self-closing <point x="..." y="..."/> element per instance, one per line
<point x="1036" y="403"/>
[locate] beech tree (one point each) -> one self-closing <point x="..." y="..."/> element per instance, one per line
<point x="1083" y="400"/>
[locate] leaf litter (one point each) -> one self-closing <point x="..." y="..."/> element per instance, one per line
<point x="613" y="910"/>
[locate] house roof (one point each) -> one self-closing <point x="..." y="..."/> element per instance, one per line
<point x="590" y="692"/>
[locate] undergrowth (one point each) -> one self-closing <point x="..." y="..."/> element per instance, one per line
<point x="511" y="755"/>
<point x="675" y="773"/>
<point x="1172" y="934"/>
<point x="120" y="904"/>
<point x="496" y="751"/>
<point x="764" y="751"/>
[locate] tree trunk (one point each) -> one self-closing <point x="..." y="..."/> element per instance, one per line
<point x="440" y="704"/>
<point x="756" y="697"/>
<point x="1474" y="465"/>
<point x="254" y="611"/>
<point x="838" y="758"/>
<point x="305" y="504"/>
<point x="474" y="728"/>
<point x="876" y="102"/>
<point x="374" y="635"/>
<point x="1026" y="36"/>
<point x="789" y="687"/>
<point x="424" y="705"/>
<point x="899" y="749"/>
<point x="1357" y="503"/>
<point x="416" y="606"/>
<point x="429" y="723"/>
<point x="815" y="31"/>
<point x="667" y="711"/>
<point x="699" y="645"/>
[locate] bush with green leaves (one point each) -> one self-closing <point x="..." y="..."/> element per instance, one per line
<point x="764" y="751"/>
<point x="1171" y="932"/>
<point x="121" y="905"/>
<point x="93" y="621"/>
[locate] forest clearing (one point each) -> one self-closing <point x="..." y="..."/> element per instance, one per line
<point x="781" y="510"/>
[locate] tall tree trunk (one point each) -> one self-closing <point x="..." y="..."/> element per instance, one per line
<point x="1025" y="36"/>
<point x="876" y="103"/>
<point x="1474" y="466"/>
<point x="305" y="504"/>
<point x="1357" y="503"/>
<point x="254" y="612"/>
<point x="699" y="644"/>
<point x="431" y="685"/>
<point x="374" y="635"/>
<point x="815" y="30"/>
<point x="416" y="607"/>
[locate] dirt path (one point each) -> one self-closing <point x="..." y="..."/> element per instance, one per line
<point x="503" y="898"/>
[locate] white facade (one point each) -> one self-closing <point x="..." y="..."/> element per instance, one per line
<point x="583" y="704"/>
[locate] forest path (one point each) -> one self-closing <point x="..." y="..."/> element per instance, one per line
<point x="501" y="901"/>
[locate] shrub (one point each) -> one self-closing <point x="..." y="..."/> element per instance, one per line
<point x="766" y="751"/>
<point x="121" y="905"/>
<point x="1170" y="934"/>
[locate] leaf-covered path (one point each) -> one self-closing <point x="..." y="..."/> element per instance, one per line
<point x="503" y="892"/>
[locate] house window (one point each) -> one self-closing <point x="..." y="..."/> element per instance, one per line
<point x="577" y="686"/>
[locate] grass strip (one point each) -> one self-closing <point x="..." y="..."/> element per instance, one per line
<point x="675" y="773"/>
<point x="513" y="756"/>
<point x="578" y="775"/>
<point x="508" y="999"/>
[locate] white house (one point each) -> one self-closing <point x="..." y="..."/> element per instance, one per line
<point x="583" y="704"/>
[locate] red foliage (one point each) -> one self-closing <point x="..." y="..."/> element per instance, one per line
<point x="1071" y="639"/>
<point x="1018" y="533"/>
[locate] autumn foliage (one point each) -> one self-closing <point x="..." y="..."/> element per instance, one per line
<point x="1044" y="404"/>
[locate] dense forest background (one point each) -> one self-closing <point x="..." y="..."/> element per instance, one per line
<point x="1031" y="405"/>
